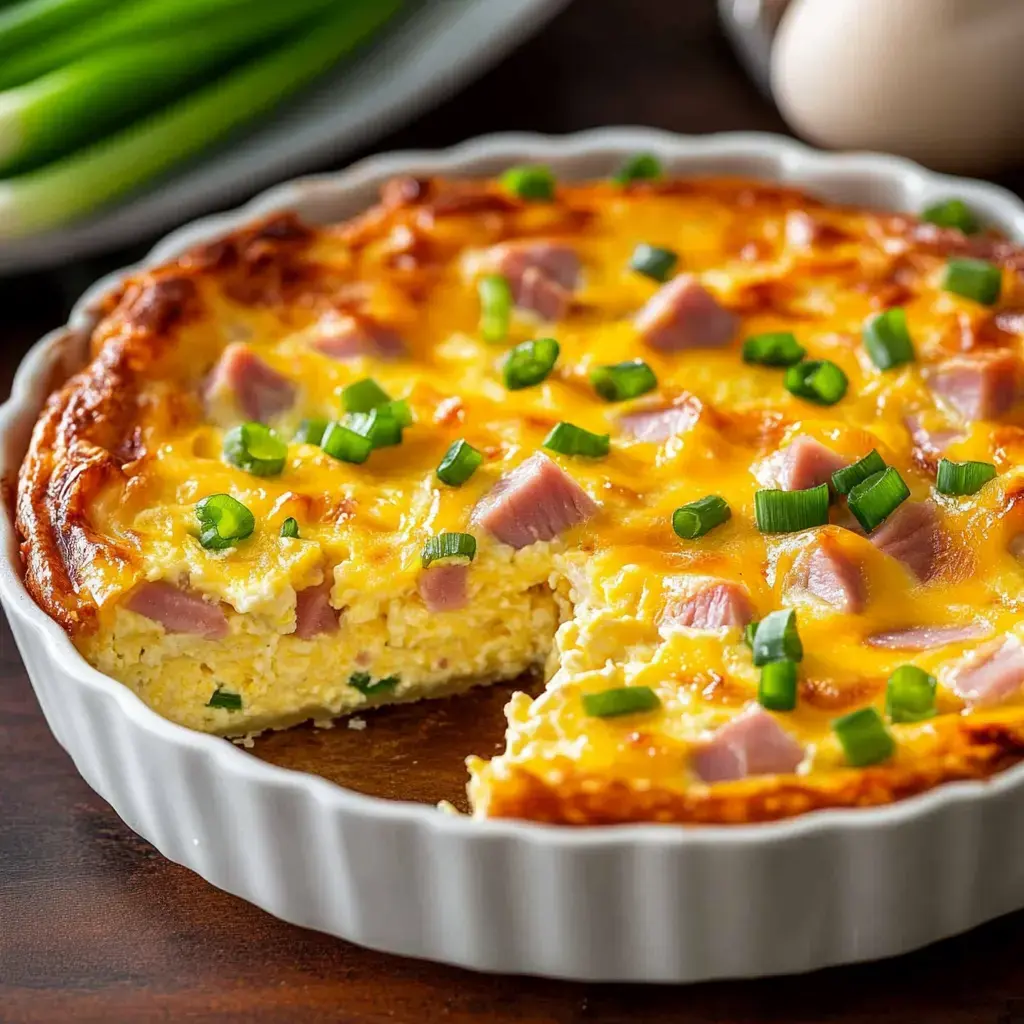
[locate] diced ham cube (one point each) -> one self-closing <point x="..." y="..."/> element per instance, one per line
<point x="753" y="743"/>
<point x="542" y="275"/>
<point x="707" y="604"/>
<point x="243" y="381"/>
<point x="980" y="386"/>
<point x="682" y="315"/>
<point x="659" y="425"/>
<point x="348" y="337"/>
<point x="992" y="675"/>
<point x="808" y="463"/>
<point x="831" y="575"/>
<point x="535" y="501"/>
<point x="927" y="638"/>
<point x="177" y="610"/>
<point x="314" y="615"/>
<point x="911" y="534"/>
<point x="443" y="587"/>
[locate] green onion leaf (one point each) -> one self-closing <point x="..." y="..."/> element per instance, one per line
<point x="864" y="738"/>
<point x="311" y="432"/>
<point x="363" y="682"/>
<point x="873" y="500"/>
<point x="225" y="699"/>
<point x="778" y="687"/>
<point x="963" y="477"/>
<point x="773" y="349"/>
<point x="341" y="442"/>
<point x="749" y="632"/>
<point x="974" y="279"/>
<point x="529" y="363"/>
<point x="364" y="396"/>
<point x="818" y="380"/>
<point x="379" y="426"/>
<point x="640" y="167"/>
<point x="622" y="381"/>
<point x="652" y="262"/>
<point x="626" y="700"/>
<point x="777" y="638"/>
<point x="290" y="527"/>
<point x="495" y="307"/>
<point x="532" y="183"/>
<point x="696" y="518"/>
<point x="223" y="522"/>
<point x="910" y="695"/>
<point x="256" y="449"/>
<point x="845" y="479"/>
<point x="568" y="439"/>
<point x="448" y="545"/>
<point x="460" y="462"/>
<point x="791" y="511"/>
<point x="952" y="213"/>
<point x="887" y="339"/>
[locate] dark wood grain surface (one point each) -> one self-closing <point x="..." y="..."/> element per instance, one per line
<point x="96" y="926"/>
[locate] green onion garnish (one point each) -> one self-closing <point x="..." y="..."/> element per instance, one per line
<point x="952" y="213"/>
<point x="290" y="527"/>
<point x="626" y="700"/>
<point x="363" y="682"/>
<point x="864" y="738"/>
<point x="364" y="396"/>
<point x="790" y="511"/>
<point x="910" y="695"/>
<point x="653" y="262"/>
<point x="696" y="518"/>
<point x="749" y="632"/>
<point x="974" y="279"/>
<point x="495" y="307"/>
<point x="873" y="500"/>
<point x="623" y="381"/>
<point x="777" y="689"/>
<point x="529" y="363"/>
<point x="887" y="339"/>
<point x="818" y="380"/>
<point x="963" y="477"/>
<point x="533" y="183"/>
<point x="345" y="444"/>
<point x="448" y="545"/>
<point x="774" y="349"/>
<point x="845" y="479"/>
<point x="777" y="638"/>
<point x="311" y="431"/>
<point x="460" y="462"/>
<point x="641" y="167"/>
<point x="223" y="521"/>
<point x="225" y="699"/>
<point x="379" y="426"/>
<point x="256" y="449"/>
<point x="568" y="439"/>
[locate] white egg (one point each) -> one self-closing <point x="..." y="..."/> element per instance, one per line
<point x="935" y="80"/>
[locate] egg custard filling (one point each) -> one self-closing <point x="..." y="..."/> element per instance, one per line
<point x="739" y="471"/>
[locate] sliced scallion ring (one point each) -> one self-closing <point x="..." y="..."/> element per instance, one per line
<point x="221" y="698"/>
<point x="952" y="213"/>
<point x="777" y="638"/>
<point x="640" y="167"/>
<point x="256" y="449"/>
<point x="817" y="380"/>
<point x="974" y="279"/>
<point x="460" y="462"/>
<point x="749" y="632"/>
<point x="777" y="689"/>
<point x="622" y="381"/>
<point x="963" y="477"/>
<point x="864" y="738"/>
<point x="774" y="349"/>
<point x="340" y="442"/>
<point x="529" y="363"/>
<point x="311" y="431"/>
<point x="910" y="695"/>
<point x="364" y="396"/>
<point x="653" y="262"/>
<point x="380" y="426"/>
<point x="845" y="479"/>
<point x="791" y="511"/>
<point x="363" y="682"/>
<point x="626" y="700"/>
<point x="696" y="518"/>
<point x="290" y="527"/>
<point x="568" y="439"/>
<point x="223" y="522"/>
<point x="533" y="183"/>
<point x="495" y="307"/>
<point x="448" y="545"/>
<point x="873" y="500"/>
<point x="887" y="339"/>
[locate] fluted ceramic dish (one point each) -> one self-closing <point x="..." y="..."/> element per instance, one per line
<point x="647" y="903"/>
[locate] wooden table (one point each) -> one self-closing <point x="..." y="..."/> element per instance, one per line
<point x="96" y="926"/>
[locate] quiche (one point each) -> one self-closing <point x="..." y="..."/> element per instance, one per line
<point x="738" y="470"/>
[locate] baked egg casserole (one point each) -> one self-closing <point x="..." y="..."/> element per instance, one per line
<point x="739" y="470"/>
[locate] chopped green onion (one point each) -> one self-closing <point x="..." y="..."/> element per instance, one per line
<point x="864" y="738"/>
<point x="256" y="449"/>
<point x="774" y="349"/>
<point x="974" y="279"/>
<point x="460" y="462"/>
<point x="963" y="477"/>
<point x="448" y="545"/>
<point x="777" y="638"/>
<point x="910" y="695"/>
<point x="535" y="183"/>
<point x="845" y="479"/>
<point x="622" y="381"/>
<point x="818" y="380"/>
<point x="340" y="442"/>
<point x="626" y="700"/>
<point x="364" y="396"/>
<point x="887" y="339"/>
<point x="223" y="521"/>
<point x="290" y="527"/>
<point x="873" y="500"/>
<point x="568" y="439"/>
<point x="225" y="699"/>
<point x="749" y="633"/>
<point x="380" y="426"/>
<point x="495" y="307"/>
<point x="311" y="431"/>
<point x="640" y="167"/>
<point x="363" y="682"/>
<point x="529" y="363"/>
<point x="777" y="689"/>
<point x="952" y="213"/>
<point x="696" y="518"/>
<point x="652" y="262"/>
<point x="790" y="511"/>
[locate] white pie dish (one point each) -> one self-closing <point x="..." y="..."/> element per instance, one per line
<point x="649" y="903"/>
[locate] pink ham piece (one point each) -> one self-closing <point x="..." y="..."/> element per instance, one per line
<point x="348" y="337"/>
<point x="832" y="576"/>
<point x="314" y="615"/>
<point x="753" y="743"/>
<point x="659" y="425"/>
<point x="808" y="463"/>
<point x="178" y="611"/>
<point x="927" y="638"/>
<point x="911" y="534"/>
<point x="542" y="275"/>
<point x="443" y="587"/>
<point x="991" y="675"/>
<point x="980" y="386"/>
<point x="535" y="501"/>
<point x="241" y="378"/>
<point x="682" y="315"/>
<point x="930" y="442"/>
<point x="711" y="605"/>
